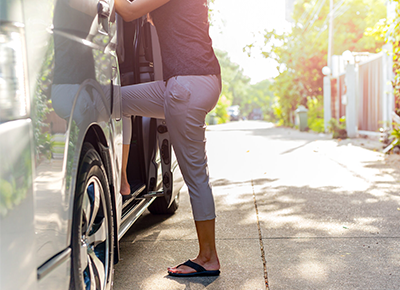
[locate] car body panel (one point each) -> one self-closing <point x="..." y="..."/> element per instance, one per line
<point x="11" y="11"/>
<point x="17" y="247"/>
<point x="55" y="274"/>
<point x="73" y="79"/>
<point x="58" y="278"/>
<point x="73" y="84"/>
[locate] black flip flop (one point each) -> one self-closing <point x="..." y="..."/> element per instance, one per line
<point x="200" y="271"/>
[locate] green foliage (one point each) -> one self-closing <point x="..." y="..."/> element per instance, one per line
<point x="237" y="90"/>
<point x="378" y="32"/>
<point x="221" y="110"/>
<point x="396" y="135"/>
<point x="261" y="96"/>
<point x="302" y="52"/>
<point x="358" y="29"/>
<point x="316" y="114"/>
<point x="338" y="128"/>
<point x="287" y="96"/>
<point x="395" y="140"/>
<point x="394" y="38"/>
<point x="234" y="82"/>
<point x="211" y="15"/>
<point x="278" y="114"/>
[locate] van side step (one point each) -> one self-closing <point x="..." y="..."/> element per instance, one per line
<point x="137" y="187"/>
<point x="151" y="194"/>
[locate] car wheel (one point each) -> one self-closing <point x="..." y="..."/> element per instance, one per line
<point x="160" y="206"/>
<point x="92" y="239"/>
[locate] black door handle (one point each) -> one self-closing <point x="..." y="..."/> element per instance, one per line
<point x="103" y="9"/>
<point x="103" y="14"/>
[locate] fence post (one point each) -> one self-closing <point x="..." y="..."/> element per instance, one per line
<point x="351" y="110"/>
<point x="327" y="101"/>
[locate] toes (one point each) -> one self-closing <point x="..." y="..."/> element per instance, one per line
<point x="181" y="270"/>
<point x="175" y="270"/>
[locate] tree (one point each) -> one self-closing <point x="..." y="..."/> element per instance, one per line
<point x="259" y="96"/>
<point x="234" y="86"/>
<point x="237" y="90"/>
<point x="302" y="52"/>
<point x="234" y="82"/>
<point x="394" y="39"/>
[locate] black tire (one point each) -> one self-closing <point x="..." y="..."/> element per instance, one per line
<point x="160" y="206"/>
<point x="92" y="240"/>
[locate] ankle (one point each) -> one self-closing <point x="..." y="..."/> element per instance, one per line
<point x="124" y="179"/>
<point x="208" y="257"/>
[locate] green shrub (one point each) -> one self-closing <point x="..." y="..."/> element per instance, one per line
<point x="338" y="128"/>
<point x="315" y="114"/>
<point x="221" y="110"/>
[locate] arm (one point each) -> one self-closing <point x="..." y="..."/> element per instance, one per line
<point x="133" y="10"/>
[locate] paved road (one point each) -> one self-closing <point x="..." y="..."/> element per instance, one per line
<point x="295" y="211"/>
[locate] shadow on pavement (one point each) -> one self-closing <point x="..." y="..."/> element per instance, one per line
<point x="226" y="182"/>
<point x="330" y="238"/>
<point x="157" y="242"/>
<point x="193" y="282"/>
<point x="328" y="215"/>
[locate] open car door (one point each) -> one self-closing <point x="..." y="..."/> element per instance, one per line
<point x="140" y="62"/>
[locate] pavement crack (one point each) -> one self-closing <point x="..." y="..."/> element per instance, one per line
<point x="355" y="174"/>
<point x="260" y="238"/>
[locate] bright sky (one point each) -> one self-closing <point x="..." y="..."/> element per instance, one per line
<point x="238" y="23"/>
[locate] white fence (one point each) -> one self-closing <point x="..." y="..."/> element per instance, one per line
<point x="367" y="81"/>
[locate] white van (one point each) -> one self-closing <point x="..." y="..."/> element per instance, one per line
<point x="61" y="214"/>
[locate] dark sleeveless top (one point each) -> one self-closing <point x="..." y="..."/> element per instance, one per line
<point x="186" y="48"/>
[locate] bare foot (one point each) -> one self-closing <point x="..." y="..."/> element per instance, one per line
<point x="210" y="265"/>
<point x="125" y="187"/>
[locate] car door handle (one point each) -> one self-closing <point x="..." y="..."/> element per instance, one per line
<point x="103" y="9"/>
<point x="103" y="14"/>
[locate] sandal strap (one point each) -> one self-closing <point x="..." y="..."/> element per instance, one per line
<point x="194" y="266"/>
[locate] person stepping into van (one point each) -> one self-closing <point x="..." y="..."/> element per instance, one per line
<point x="191" y="88"/>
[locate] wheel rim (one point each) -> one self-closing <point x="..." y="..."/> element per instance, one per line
<point x="95" y="243"/>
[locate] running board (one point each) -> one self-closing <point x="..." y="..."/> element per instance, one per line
<point x="136" y="189"/>
<point x="132" y="215"/>
<point x="151" y="195"/>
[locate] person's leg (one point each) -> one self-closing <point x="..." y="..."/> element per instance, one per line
<point x="207" y="257"/>
<point x="207" y="250"/>
<point x="145" y="100"/>
<point x="188" y="99"/>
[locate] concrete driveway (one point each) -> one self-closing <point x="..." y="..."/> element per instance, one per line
<point x="295" y="211"/>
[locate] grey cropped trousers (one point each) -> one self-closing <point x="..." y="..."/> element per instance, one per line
<point x="183" y="102"/>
